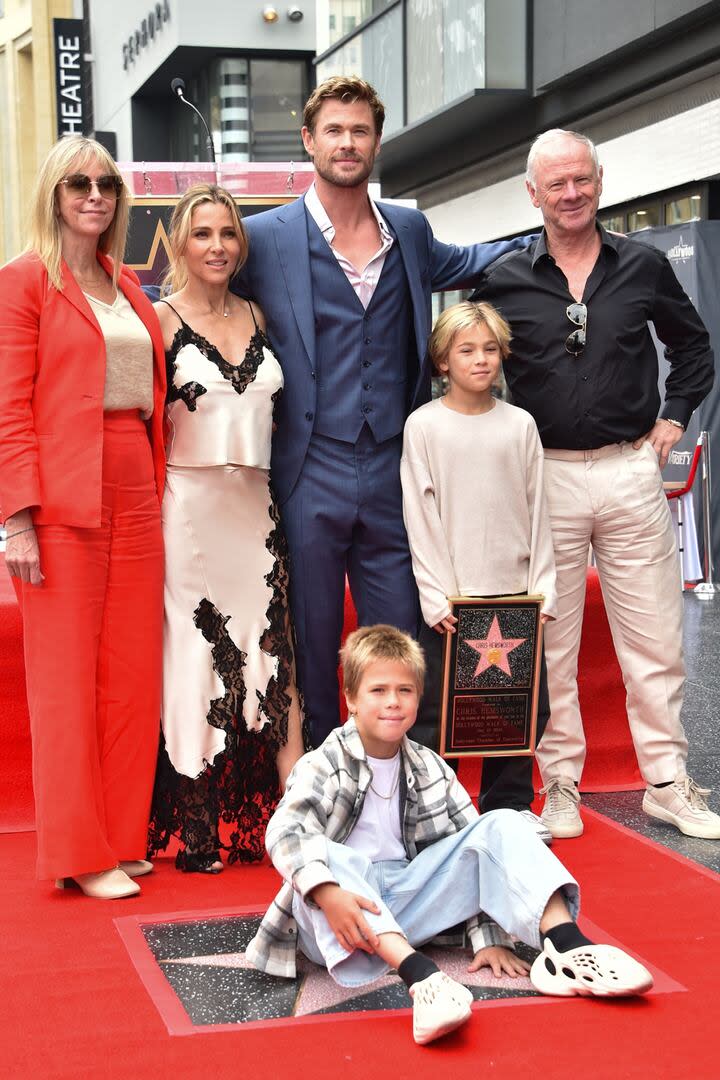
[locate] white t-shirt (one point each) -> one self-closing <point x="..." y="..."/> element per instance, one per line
<point x="378" y="833"/>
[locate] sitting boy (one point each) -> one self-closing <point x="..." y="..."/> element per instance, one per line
<point x="381" y="849"/>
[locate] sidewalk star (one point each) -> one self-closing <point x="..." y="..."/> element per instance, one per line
<point x="494" y="649"/>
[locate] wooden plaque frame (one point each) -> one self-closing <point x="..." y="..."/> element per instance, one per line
<point x="491" y="673"/>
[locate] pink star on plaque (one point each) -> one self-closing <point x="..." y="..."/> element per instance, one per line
<point x="494" y="649"/>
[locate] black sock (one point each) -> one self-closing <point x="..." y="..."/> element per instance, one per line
<point x="666" y="784"/>
<point x="566" y="936"/>
<point x="415" y="968"/>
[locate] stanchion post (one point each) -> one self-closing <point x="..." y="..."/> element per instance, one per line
<point x="706" y="589"/>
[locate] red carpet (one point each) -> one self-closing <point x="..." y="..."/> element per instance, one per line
<point x="611" y="764"/>
<point x="74" y="1007"/>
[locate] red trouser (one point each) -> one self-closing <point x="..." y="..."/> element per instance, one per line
<point x="93" y="659"/>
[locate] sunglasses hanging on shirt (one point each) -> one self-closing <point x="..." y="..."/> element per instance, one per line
<point x="575" y="342"/>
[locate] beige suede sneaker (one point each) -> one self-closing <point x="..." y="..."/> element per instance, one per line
<point x="560" y="813"/>
<point x="683" y="805"/>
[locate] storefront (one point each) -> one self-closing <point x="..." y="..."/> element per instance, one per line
<point x="246" y="66"/>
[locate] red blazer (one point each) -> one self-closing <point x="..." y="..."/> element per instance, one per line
<point x="52" y="382"/>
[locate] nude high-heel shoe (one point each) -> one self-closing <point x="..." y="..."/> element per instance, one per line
<point x="111" y="884"/>
<point x="136" y="867"/>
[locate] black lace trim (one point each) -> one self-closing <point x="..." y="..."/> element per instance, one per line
<point x="227" y="808"/>
<point x="240" y="375"/>
<point x="189" y="392"/>
<point x="240" y="788"/>
<point x="277" y="638"/>
<point x="228" y="662"/>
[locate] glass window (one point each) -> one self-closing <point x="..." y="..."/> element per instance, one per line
<point x="438" y="385"/>
<point x="254" y="108"/>
<point x="374" y="55"/>
<point x="446" y="52"/>
<point x="278" y="89"/>
<point x="345" y="15"/>
<point x="687" y="208"/>
<point x="644" y="217"/>
<point x="452" y="296"/>
<point x="230" y="111"/>
<point x="613" y="222"/>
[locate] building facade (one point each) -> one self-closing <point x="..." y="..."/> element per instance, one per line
<point x="469" y="84"/>
<point x="246" y="66"/>
<point x="27" y="107"/>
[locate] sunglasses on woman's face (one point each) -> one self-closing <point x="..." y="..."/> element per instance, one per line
<point x="108" y="186"/>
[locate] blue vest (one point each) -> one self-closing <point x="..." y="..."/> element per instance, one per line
<point x="364" y="358"/>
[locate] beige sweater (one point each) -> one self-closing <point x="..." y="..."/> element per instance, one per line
<point x="474" y="506"/>
<point x="129" y="352"/>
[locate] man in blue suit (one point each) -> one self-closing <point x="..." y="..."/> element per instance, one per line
<point x="346" y="287"/>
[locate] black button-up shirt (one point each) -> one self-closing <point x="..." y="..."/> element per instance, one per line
<point x="609" y="393"/>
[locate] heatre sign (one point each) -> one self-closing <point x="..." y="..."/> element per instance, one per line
<point x="69" y="76"/>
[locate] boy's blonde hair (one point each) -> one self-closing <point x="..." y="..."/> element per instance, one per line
<point x="381" y="642"/>
<point x="461" y="317"/>
<point x="181" y="224"/>
<point x="73" y="153"/>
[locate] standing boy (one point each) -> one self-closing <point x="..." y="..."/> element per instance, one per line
<point x="475" y="514"/>
<point x="381" y="849"/>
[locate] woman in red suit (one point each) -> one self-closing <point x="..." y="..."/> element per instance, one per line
<point x="81" y="471"/>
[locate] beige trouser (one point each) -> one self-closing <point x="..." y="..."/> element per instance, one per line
<point x="613" y="499"/>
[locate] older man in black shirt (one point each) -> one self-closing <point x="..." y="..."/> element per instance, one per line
<point x="583" y="362"/>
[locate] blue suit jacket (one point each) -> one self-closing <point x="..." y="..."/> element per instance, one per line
<point x="277" y="275"/>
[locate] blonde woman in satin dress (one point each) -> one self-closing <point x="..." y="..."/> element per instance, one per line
<point x="231" y="716"/>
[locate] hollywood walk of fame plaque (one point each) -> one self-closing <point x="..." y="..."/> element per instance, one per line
<point x="491" y="672"/>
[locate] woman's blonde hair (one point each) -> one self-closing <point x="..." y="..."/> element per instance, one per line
<point x="73" y="153"/>
<point x="380" y="642"/>
<point x="181" y="223"/>
<point x="461" y="317"/>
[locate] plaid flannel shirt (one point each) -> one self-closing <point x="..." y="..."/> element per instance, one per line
<point x="322" y="802"/>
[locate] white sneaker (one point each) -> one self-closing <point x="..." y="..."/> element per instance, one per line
<point x="683" y="805"/>
<point x="560" y="812"/>
<point x="541" y="830"/>
<point x="439" y="1005"/>
<point x="588" y="971"/>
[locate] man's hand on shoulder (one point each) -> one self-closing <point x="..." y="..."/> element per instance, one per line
<point x="662" y="438"/>
<point x="344" y="912"/>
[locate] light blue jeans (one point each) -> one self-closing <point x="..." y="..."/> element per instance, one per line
<point x="496" y="865"/>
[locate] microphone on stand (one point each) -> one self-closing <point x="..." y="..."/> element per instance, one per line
<point x="178" y="88"/>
